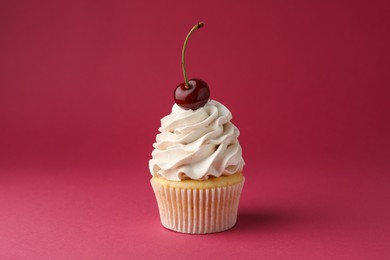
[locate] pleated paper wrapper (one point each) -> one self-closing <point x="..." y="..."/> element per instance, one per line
<point x="198" y="211"/>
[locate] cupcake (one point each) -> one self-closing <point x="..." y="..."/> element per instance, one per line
<point x="197" y="162"/>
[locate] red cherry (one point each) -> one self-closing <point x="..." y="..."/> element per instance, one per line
<point x="192" y="97"/>
<point x="194" y="93"/>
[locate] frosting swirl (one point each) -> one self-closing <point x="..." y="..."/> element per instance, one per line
<point x="196" y="144"/>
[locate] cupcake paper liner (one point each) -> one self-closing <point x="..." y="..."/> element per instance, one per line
<point x="198" y="211"/>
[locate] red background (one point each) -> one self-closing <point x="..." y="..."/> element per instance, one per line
<point x="83" y="85"/>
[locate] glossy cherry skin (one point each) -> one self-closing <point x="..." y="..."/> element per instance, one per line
<point x="194" y="97"/>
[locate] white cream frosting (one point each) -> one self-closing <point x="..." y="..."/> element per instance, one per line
<point x="196" y="144"/>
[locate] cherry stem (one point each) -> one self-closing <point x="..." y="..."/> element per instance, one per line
<point x="197" y="26"/>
